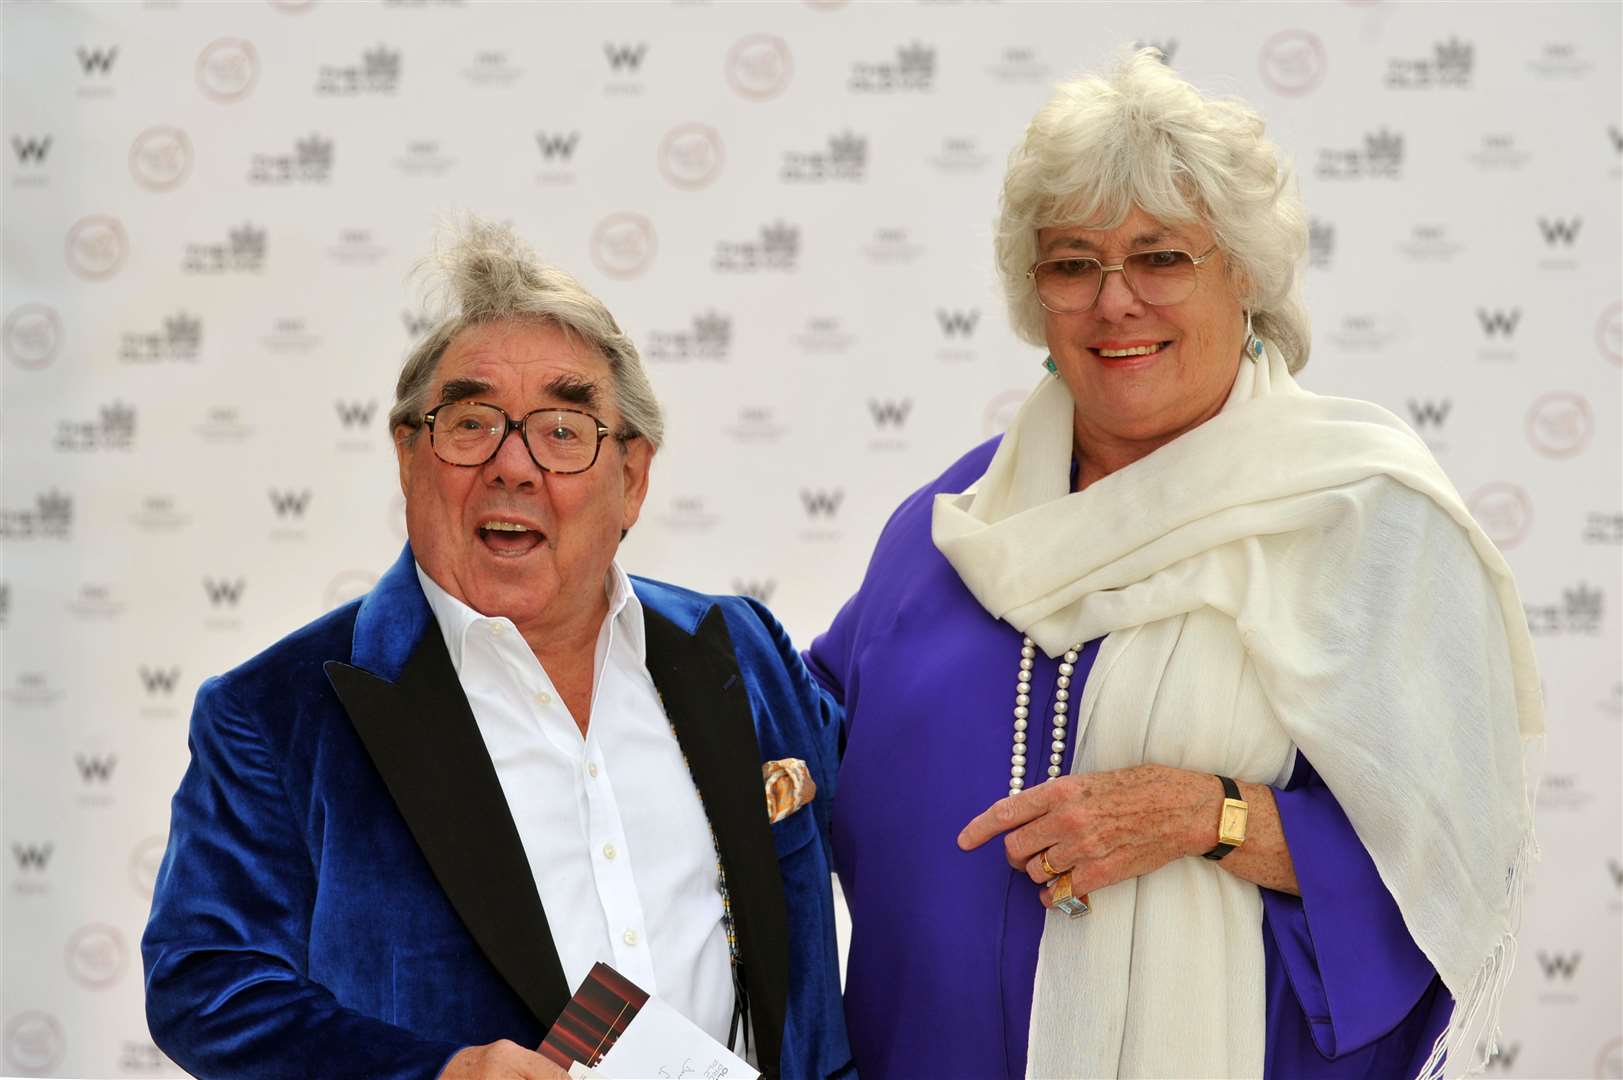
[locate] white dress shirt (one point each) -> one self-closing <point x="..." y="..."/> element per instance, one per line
<point x="611" y="823"/>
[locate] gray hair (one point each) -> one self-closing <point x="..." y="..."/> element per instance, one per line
<point x="488" y="275"/>
<point x="1141" y="136"/>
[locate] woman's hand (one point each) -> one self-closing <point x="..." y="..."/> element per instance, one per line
<point x="1110" y="826"/>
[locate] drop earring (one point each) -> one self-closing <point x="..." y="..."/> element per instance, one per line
<point x="1253" y="344"/>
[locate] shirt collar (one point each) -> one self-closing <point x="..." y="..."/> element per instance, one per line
<point x="455" y="618"/>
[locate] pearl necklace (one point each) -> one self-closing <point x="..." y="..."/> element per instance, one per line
<point x="1022" y="713"/>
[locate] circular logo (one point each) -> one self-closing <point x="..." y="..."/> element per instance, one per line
<point x="349" y="585"/>
<point x="759" y="66"/>
<point x="227" y="69"/>
<point x="32" y="334"/>
<point x="690" y="156"/>
<point x="96" y="955"/>
<point x="145" y="859"/>
<point x="1609" y="333"/>
<point x="161" y="158"/>
<point x="1504" y="511"/>
<point x="1559" y="425"/>
<point x="1292" y="62"/>
<point x="623" y="245"/>
<point x="34" y="1042"/>
<point x="96" y="247"/>
<point x="999" y="412"/>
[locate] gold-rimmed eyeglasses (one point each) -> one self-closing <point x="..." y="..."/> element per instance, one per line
<point x="1073" y="283"/>
<point x="469" y="433"/>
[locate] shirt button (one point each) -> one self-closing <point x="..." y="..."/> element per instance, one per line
<point x="591" y="770"/>
<point x="608" y="851"/>
<point x="629" y="937"/>
<point x="543" y="698"/>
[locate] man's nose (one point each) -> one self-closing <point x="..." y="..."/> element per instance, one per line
<point x="513" y="464"/>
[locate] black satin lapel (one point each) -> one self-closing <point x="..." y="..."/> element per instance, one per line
<point x="704" y="696"/>
<point x="423" y="739"/>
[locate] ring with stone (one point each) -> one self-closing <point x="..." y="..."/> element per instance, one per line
<point x="1067" y="901"/>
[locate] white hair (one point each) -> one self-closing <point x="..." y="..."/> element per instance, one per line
<point x="488" y="275"/>
<point x="1143" y="137"/>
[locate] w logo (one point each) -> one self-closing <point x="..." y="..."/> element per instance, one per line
<point x="1499" y="323"/>
<point x="822" y="503"/>
<point x="557" y="146"/>
<point x="416" y="325"/>
<point x="624" y="57"/>
<point x="31" y="149"/>
<point x="756" y="590"/>
<point x="1427" y="413"/>
<point x="159" y="680"/>
<point x="97" y="60"/>
<point x="95" y="768"/>
<point x="31" y="856"/>
<point x="354" y="414"/>
<point x="958" y="323"/>
<point x="223" y="593"/>
<point x="290" y="503"/>
<point x="890" y="413"/>
<point x="1564" y="965"/>
<point x="1560" y="231"/>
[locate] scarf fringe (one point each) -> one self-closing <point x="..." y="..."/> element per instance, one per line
<point x="1472" y="1037"/>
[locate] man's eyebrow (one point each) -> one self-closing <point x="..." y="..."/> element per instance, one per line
<point x="574" y="389"/>
<point x="463" y="389"/>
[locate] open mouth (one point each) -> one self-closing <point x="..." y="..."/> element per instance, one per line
<point x="1131" y="352"/>
<point x="509" y="538"/>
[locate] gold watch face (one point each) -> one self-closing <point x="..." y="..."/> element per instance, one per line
<point x="1231" y="830"/>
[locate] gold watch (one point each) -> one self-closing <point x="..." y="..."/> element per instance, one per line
<point x="1231" y="826"/>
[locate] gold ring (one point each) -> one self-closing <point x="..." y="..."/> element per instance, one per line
<point x="1047" y="868"/>
<point x="1067" y="901"/>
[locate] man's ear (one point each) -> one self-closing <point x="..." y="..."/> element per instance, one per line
<point x="637" y="456"/>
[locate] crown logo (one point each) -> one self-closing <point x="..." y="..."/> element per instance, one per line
<point x="916" y="60"/>
<point x="183" y="332"/>
<point x="381" y="64"/>
<point x="1384" y="147"/>
<point x="713" y="330"/>
<point x="848" y="150"/>
<point x="118" y="420"/>
<point x="248" y="242"/>
<point x="314" y="153"/>
<point x="780" y="239"/>
<point x="55" y="509"/>
<point x="1454" y="56"/>
<point x="1582" y="602"/>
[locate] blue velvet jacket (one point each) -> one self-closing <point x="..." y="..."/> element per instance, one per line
<point x="345" y="893"/>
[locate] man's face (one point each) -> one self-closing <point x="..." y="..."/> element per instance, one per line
<point x="548" y="579"/>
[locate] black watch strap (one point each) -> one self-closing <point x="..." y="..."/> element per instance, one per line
<point x="1231" y="790"/>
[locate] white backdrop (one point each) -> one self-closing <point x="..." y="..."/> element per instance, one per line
<point x="210" y="211"/>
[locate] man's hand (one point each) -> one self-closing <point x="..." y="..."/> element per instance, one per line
<point x="502" y="1060"/>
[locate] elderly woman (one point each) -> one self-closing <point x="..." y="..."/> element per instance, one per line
<point x="1225" y="660"/>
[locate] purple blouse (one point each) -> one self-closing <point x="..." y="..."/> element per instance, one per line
<point x="944" y="943"/>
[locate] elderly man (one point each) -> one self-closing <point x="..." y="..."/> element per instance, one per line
<point x="410" y="829"/>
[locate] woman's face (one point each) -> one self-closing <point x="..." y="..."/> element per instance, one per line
<point x="1144" y="399"/>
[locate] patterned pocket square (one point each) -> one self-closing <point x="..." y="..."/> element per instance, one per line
<point x="789" y="786"/>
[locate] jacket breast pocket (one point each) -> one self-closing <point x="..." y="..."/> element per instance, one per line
<point x="794" y="832"/>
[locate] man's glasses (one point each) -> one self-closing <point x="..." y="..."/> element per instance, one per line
<point x="1158" y="278"/>
<point x="560" y="441"/>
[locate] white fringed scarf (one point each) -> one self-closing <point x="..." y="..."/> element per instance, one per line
<point x="1297" y="572"/>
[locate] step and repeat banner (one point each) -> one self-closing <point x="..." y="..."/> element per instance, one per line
<point x="212" y="212"/>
